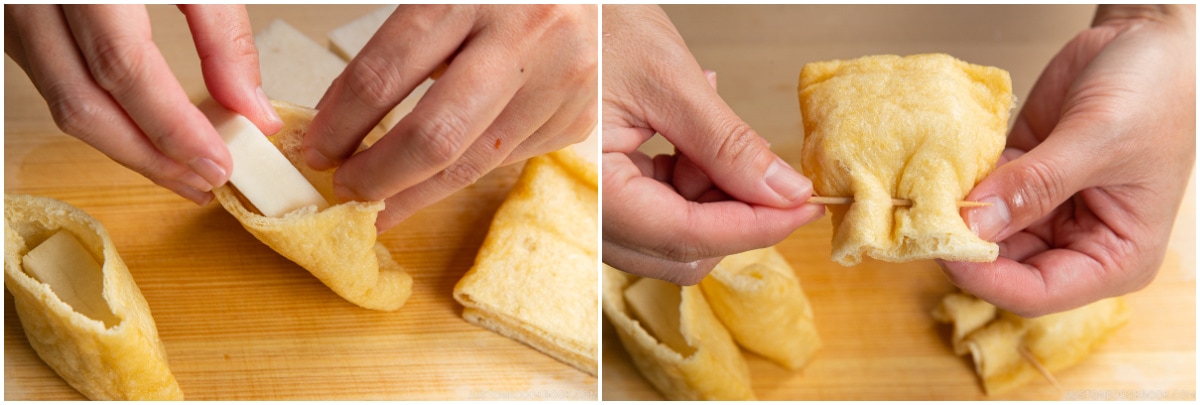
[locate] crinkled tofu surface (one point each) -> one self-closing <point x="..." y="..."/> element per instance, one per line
<point x="925" y="128"/>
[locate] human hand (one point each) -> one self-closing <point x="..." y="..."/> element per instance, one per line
<point x="520" y="81"/>
<point x="1095" y="168"/>
<point x="723" y="192"/>
<point x="107" y="84"/>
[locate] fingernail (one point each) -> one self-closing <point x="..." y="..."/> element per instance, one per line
<point x="201" y="198"/>
<point x="195" y="181"/>
<point x="343" y="193"/>
<point x="786" y="183"/>
<point x="317" y="160"/>
<point x="265" y="105"/>
<point x="988" y="222"/>
<point x="213" y="174"/>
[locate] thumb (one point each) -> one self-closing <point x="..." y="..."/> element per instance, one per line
<point x="229" y="60"/>
<point x="1029" y="187"/>
<point x="739" y="161"/>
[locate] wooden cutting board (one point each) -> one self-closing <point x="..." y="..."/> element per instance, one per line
<point x="241" y="322"/>
<point x="879" y="339"/>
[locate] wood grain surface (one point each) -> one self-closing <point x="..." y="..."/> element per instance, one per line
<point x="241" y="322"/>
<point x="879" y="339"/>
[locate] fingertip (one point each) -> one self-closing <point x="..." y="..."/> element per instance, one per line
<point x="811" y="212"/>
<point x="344" y="193"/>
<point x="269" y="121"/>
<point x="317" y="160"/>
<point x="690" y="273"/>
<point x="789" y="187"/>
<point x="200" y="198"/>
<point x="383" y="224"/>
<point x="989" y="222"/>
<point x="214" y="174"/>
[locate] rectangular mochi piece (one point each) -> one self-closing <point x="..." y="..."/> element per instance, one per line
<point x="995" y="337"/>
<point x="295" y="68"/>
<point x="926" y="128"/>
<point x="116" y="357"/>
<point x="260" y="171"/>
<point x="535" y="277"/>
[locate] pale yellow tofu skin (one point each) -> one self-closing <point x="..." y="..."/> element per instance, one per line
<point x="336" y="244"/>
<point x="713" y="367"/>
<point x="995" y="337"/>
<point x="534" y="279"/>
<point x="925" y="128"/>
<point x="105" y="356"/>
<point x="757" y="296"/>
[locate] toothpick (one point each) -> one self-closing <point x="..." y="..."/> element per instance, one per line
<point x="895" y="202"/>
<point x="1038" y="365"/>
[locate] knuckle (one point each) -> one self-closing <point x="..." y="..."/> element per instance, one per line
<point x="1043" y="185"/>
<point x="682" y="252"/>
<point x="119" y="62"/>
<point x="373" y="82"/>
<point x="462" y="174"/>
<point x="586" y="124"/>
<point x="438" y="140"/>
<point x="738" y="143"/>
<point x="242" y="45"/>
<point x="73" y="114"/>
<point x="677" y="253"/>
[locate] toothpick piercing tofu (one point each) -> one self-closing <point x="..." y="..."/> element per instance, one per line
<point x="334" y="241"/>
<point x="674" y="338"/>
<point x="996" y="339"/>
<point x="757" y="296"/>
<point x="924" y="128"/>
<point x="80" y="308"/>
<point x="534" y="279"/>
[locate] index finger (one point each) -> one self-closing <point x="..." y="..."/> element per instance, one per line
<point x="409" y="46"/>
<point x="656" y="221"/>
<point x="115" y="41"/>
<point x="458" y="108"/>
<point x="1051" y="281"/>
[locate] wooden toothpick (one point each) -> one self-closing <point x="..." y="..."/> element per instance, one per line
<point x="1038" y="365"/>
<point x="895" y="202"/>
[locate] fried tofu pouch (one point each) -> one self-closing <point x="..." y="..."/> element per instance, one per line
<point x="119" y="357"/>
<point x="994" y="337"/>
<point x="757" y="296"/>
<point x="337" y="244"/>
<point x="926" y="128"/>
<point x="713" y="369"/>
<point x="534" y="279"/>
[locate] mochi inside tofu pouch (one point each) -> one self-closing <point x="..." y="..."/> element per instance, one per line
<point x="674" y="339"/>
<point x="924" y="128"/>
<point x="1010" y="351"/>
<point x="336" y="242"/>
<point x="79" y="306"/>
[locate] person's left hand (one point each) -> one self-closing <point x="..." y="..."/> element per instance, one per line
<point x="519" y="81"/>
<point x="1096" y="165"/>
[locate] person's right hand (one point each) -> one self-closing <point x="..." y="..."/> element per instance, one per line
<point x="107" y="84"/>
<point x="1096" y="165"/>
<point x="674" y="217"/>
